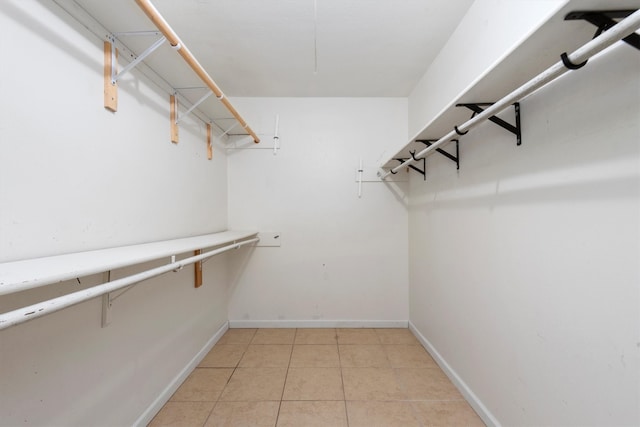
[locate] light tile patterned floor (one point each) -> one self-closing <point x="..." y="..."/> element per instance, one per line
<point x="317" y="377"/>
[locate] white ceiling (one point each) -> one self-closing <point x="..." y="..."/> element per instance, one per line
<point x="344" y="48"/>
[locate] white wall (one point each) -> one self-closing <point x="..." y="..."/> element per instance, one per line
<point x="342" y="258"/>
<point x="75" y="177"/>
<point x="524" y="265"/>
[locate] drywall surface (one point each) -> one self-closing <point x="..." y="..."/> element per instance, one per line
<point x="341" y="257"/>
<point x="75" y="177"/>
<point x="524" y="264"/>
<point x="488" y="32"/>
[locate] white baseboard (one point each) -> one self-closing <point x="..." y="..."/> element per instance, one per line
<point x="469" y="395"/>
<point x="318" y="323"/>
<point x="166" y="394"/>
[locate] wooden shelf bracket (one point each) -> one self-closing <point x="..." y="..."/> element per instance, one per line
<point x="209" y="146"/>
<point x="173" y="114"/>
<point x="111" y="74"/>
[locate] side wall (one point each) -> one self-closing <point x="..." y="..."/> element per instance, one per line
<point x="342" y="258"/>
<point x="524" y="264"/>
<point x="75" y="177"/>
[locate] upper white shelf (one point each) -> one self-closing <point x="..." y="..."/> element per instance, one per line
<point x="26" y="274"/>
<point x="530" y="57"/>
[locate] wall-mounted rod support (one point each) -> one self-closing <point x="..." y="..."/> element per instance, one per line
<point x="162" y="25"/>
<point x="276" y="138"/>
<point x="34" y="311"/>
<point x="604" y="40"/>
<point x="116" y="76"/>
<point x="194" y="106"/>
<point x="137" y="33"/>
<point x="229" y="129"/>
<point x="360" y="171"/>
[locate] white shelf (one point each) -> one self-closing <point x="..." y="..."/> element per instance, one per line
<point x="26" y="274"/>
<point x="539" y="51"/>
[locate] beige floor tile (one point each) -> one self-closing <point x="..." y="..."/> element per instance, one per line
<point x="274" y="336"/>
<point x="203" y="385"/>
<point x="357" y="336"/>
<point x="427" y="384"/>
<point x="312" y="414"/>
<point x="182" y="414"/>
<point x="396" y="336"/>
<point x="452" y="413"/>
<point x="315" y="356"/>
<point x="237" y="336"/>
<point x="316" y="336"/>
<point x="267" y="356"/>
<point x="363" y="356"/>
<point x="371" y="384"/>
<point x="313" y="384"/>
<point x="305" y="385"/>
<point x="244" y="414"/>
<point x="381" y="414"/>
<point x="223" y="356"/>
<point x="254" y="384"/>
<point x="409" y="356"/>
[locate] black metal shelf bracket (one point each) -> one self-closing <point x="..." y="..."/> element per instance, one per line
<point x="422" y="171"/>
<point x="456" y="158"/>
<point x="603" y="20"/>
<point x="476" y="107"/>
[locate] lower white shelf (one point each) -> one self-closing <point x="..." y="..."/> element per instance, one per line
<point x="17" y="276"/>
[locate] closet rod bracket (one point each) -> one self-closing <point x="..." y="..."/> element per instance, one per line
<point x="422" y="171"/>
<point x="115" y="75"/>
<point x="449" y="156"/>
<point x="476" y="107"/>
<point x="604" y="20"/>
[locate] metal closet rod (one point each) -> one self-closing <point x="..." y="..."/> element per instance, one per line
<point x="580" y="56"/>
<point x="43" y="308"/>
<point x="149" y="9"/>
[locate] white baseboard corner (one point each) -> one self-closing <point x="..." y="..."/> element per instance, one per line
<point x="482" y="411"/>
<point x="318" y="324"/>
<point x="166" y="394"/>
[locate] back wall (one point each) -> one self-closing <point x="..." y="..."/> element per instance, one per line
<point x="342" y="258"/>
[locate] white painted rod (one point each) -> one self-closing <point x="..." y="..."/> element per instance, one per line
<point x="43" y="308"/>
<point x="604" y="40"/>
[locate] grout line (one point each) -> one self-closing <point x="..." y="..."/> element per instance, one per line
<point x="286" y="375"/>
<point x="344" y="393"/>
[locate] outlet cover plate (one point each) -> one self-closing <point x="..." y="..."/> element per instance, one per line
<point x="269" y="239"/>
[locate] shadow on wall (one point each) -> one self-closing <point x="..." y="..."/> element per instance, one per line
<point x="490" y="196"/>
<point x="237" y="262"/>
